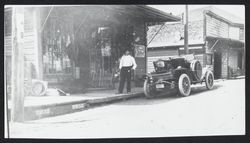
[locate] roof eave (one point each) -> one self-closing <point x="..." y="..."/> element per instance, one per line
<point x="162" y="15"/>
<point x="226" y="39"/>
<point x="224" y="19"/>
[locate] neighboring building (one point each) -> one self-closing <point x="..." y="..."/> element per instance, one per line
<point x="65" y="43"/>
<point x="215" y="37"/>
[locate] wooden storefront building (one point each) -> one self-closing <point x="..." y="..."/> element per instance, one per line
<point x="215" y="37"/>
<point x="83" y="43"/>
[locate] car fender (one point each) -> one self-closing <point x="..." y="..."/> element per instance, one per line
<point x="204" y="72"/>
<point x="179" y="71"/>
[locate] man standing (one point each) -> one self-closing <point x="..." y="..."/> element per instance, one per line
<point x="127" y="64"/>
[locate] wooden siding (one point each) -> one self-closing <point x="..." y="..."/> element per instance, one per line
<point x="29" y="36"/>
<point x="163" y="52"/>
<point x="7" y="31"/>
<point x="7" y="45"/>
<point x="216" y="27"/>
<point x="30" y="39"/>
<point x="28" y="46"/>
<point x="196" y="50"/>
<point x="200" y="58"/>
<point x="154" y="55"/>
<point x="234" y="33"/>
<point x="29" y="42"/>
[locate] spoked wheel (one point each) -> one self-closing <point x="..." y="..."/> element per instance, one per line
<point x="147" y="89"/>
<point x="184" y="85"/>
<point x="209" y="79"/>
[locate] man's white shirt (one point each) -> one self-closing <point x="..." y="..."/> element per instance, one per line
<point x="127" y="61"/>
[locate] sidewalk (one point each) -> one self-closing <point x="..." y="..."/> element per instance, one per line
<point x="47" y="106"/>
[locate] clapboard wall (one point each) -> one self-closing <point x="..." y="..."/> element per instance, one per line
<point x="199" y="52"/>
<point x="216" y="27"/>
<point x="7" y="45"/>
<point x="156" y="53"/>
<point x="30" y="39"/>
<point x="7" y="31"/>
<point x="29" y="36"/>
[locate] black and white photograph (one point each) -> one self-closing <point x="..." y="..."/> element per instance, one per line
<point x="124" y="71"/>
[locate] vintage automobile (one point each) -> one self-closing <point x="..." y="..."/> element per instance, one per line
<point x="176" y="74"/>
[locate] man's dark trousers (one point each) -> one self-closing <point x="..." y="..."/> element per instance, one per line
<point x="125" y="75"/>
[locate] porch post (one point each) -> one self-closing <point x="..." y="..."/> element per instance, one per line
<point x="17" y="99"/>
<point x="186" y="32"/>
<point x="38" y="43"/>
<point x="228" y="59"/>
<point x="146" y="48"/>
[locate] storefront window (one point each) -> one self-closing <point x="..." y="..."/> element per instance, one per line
<point x="104" y="34"/>
<point x="56" y="44"/>
<point x="55" y="60"/>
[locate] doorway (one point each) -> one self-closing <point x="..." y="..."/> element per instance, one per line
<point x="217" y="65"/>
<point x="100" y="56"/>
<point x="108" y="46"/>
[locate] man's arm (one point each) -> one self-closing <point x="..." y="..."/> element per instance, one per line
<point x="120" y="64"/>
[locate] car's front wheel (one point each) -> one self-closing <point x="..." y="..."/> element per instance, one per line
<point x="184" y="85"/>
<point x="147" y="89"/>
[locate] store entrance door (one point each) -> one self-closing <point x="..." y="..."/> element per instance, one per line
<point x="110" y="43"/>
<point x="101" y="58"/>
<point x="217" y="65"/>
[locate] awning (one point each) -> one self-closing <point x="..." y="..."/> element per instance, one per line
<point x="233" y="43"/>
<point x="154" y="14"/>
<point x="147" y="13"/>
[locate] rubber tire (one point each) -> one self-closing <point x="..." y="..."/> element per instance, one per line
<point x="196" y="69"/>
<point x="41" y="83"/>
<point x="208" y="86"/>
<point x="180" y="85"/>
<point x="146" y="89"/>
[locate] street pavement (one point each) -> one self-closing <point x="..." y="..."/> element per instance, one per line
<point x="220" y="111"/>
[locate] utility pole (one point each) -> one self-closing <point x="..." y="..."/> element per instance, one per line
<point x="17" y="84"/>
<point x="6" y="119"/>
<point x="186" y="31"/>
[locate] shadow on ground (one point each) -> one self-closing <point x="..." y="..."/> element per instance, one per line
<point x="197" y="90"/>
<point x="200" y="89"/>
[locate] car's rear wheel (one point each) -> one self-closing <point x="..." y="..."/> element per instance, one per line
<point x="147" y="90"/>
<point x="209" y="79"/>
<point x="184" y="85"/>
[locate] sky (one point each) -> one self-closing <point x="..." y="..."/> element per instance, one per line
<point x="237" y="10"/>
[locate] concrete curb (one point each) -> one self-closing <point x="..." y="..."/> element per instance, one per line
<point x="42" y="111"/>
